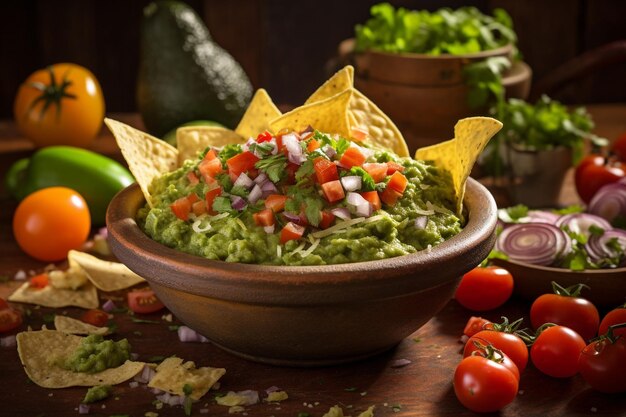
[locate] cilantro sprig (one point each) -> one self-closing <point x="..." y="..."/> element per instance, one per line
<point x="273" y="166"/>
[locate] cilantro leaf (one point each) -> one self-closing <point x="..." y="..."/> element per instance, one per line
<point x="517" y="212"/>
<point x="341" y="145"/>
<point x="224" y="181"/>
<point x="239" y="190"/>
<point x="576" y="208"/>
<point x="261" y="149"/>
<point x="222" y="205"/>
<point x="596" y="230"/>
<point x="367" y="182"/>
<point x="325" y="139"/>
<point x="305" y="170"/>
<point x="312" y="210"/>
<point x="273" y="166"/>
<point x="229" y="151"/>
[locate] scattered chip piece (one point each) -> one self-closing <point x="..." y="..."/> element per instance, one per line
<point x="258" y="116"/>
<point x="105" y="275"/>
<point x="172" y="375"/>
<point x="49" y="296"/>
<point x="70" y="325"/>
<point x="194" y="139"/>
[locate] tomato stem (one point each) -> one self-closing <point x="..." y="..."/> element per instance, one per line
<point x="573" y="291"/>
<point x="51" y="94"/>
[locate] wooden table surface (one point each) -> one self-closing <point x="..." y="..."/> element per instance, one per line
<point x="421" y="388"/>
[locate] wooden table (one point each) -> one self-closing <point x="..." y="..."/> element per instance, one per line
<point x="421" y="388"/>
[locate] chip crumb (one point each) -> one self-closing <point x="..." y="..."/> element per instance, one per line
<point x="235" y="409"/>
<point x="276" y="396"/>
<point x="151" y="414"/>
<point x="167" y="318"/>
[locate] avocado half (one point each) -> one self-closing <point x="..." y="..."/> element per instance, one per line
<point x="183" y="74"/>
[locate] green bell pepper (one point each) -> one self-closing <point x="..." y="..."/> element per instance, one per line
<point x="94" y="176"/>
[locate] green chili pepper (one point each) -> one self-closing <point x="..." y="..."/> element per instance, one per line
<point x="94" y="176"/>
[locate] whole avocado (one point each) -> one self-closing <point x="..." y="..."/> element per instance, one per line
<point x="183" y="74"/>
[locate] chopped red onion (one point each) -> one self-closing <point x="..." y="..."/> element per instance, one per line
<point x="269" y="229"/>
<point x="341" y="212"/>
<point x="329" y="151"/>
<point x="268" y="188"/>
<point x="8" y="341"/>
<point x="243" y="180"/>
<point x="187" y="334"/>
<point x="581" y="222"/>
<point x="294" y="218"/>
<point x="108" y="306"/>
<point x="351" y="182"/>
<point x="156" y="391"/>
<point x="83" y="408"/>
<point x="399" y="363"/>
<point x="255" y="194"/>
<point x="598" y="246"/>
<point x="238" y="203"/>
<point x="146" y="375"/>
<point x="354" y="199"/>
<point x="609" y="202"/>
<point x="171" y="399"/>
<point x="420" y="222"/>
<point x="534" y="243"/>
<point x="271" y="389"/>
<point x="274" y="146"/>
<point x="261" y="178"/>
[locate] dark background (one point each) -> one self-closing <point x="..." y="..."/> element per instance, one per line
<point x="284" y="45"/>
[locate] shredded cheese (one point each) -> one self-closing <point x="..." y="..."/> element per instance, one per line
<point x="342" y="225"/>
<point x="279" y="251"/>
<point x="241" y="224"/>
<point x="310" y="249"/>
<point x="298" y="249"/>
<point x="424" y="212"/>
<point x="374" y="218"/>
<point x="424" y="186"/>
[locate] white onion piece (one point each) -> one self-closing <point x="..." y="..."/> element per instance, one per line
<point x="399" y="363"/>
<point x="341" y="212"/>
<point x="293" y="148"/>
<point x="238" y="203"/>
<point x="133" y="384"/>
<point x="609" y="202"/>
<point x="8" y="341"/>
<point x="261" y="178"/>
<point x="597" y="246"/>
<point x="364" y="210"/>
<point x="108" y="306"/>
<point x="146" y="375"/>
<point x="170" y="399"/>
<point x="534" y="243"/>
<point x="362" y="207"/>
<point x="83" y="408"/>
<point x="354" y="199"/>
<point x="255" y="194"/>
<point x="243" y="180"/>
<point x="271" y="389"/>
<point x="581" y="222"/>
<point x="187" y="334"/>
<point x="351" y="182"/>
<point x="269" y="229"/>
<point x="420" y="222"/>
<point x="329" y="151"/>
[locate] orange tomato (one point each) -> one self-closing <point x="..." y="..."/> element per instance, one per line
<point x="60" y="105"/>
<point x="50" y="222"/>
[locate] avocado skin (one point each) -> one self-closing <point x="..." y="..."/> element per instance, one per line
<point x="183" y="74"/>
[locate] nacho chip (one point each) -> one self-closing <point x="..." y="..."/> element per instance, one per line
<point x="194" y="139"/>
<point x="458" y="155"/>
<point x="172" y="374"/>
<point x="49" y="296"/>
<point x="341" y="81"/>
<point x="105" y="275"/>
<point x="329" y="115"/>
<point x="69" y="325"/>
<point x="40" y="351"/>
<point x="258" y="116"/>
<point x="147" y="156"/>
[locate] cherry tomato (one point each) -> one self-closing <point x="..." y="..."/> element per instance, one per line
<point x="60" y="105"/>
<point x="594" y="172"/>
<point x="619" y="147"/>
<point x="601" y="364"/>
<point x="476" y="324"/>
<point x="510" y="344"/>
<point x="483" y="385"/>
<point x="9" y="319"/>
<point x="574" y="312"/>
<point x="144" y="301"/>
<point x="95" y="317"/>
<point x="489" y="351"/>
<point x="50" y="222"/>
<point x="615" y="316"/>
<point x="484" y="289"/>
<point x="556" y="350"/>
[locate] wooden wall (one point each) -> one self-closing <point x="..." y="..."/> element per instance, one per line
<point x="283" y="44"/>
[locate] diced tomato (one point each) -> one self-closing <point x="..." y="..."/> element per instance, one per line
<point x="95" y="317"/>
<point x="193" y="197"/>
<point x="397" y="182"/>
<point x="303" y="219"/>
<point x="377" y="171"/>
<point x="333" y="191"/>
<point x="327" y="219"/>
<point x="325" y="170"/>
<point x="373" y="198"/>
<point x="210" y="155"/>
<point x="144" y="301"/>
<point x="393" y="167"/>
<point x="241" y="163"/>
<point x="264" y="137"/>
<point x="209" y="198"/>
<point x="358" y="133"/>
<point x="390" y="196"/>
<point x="313" y="145"/>
<point x="291" y="172"/>
<point x="199" y="207"/>
<point x="291" y="231"/>
<point x="9" y="319"/>
<point x="39" y="281"/>
<point x="264" y="218"/>
<point x="276" y="202"/>
<point x="181" y="208"/>
<point x="352" y="157"/>
<point x="193" y="178"/>
<point x="475" y="325"/>
<point x="209" y="169"/>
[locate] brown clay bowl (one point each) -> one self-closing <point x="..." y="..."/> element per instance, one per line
<point x="304" y="316"/>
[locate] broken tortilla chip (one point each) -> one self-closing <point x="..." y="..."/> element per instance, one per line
<point x="458" y="155"/>
<point x="49" y="296"/>
<point x="172" y="374"/>
<point x="105" y="275"/>
<point x="258" y="116"/>
<point x="341" y="81"/>
<point x="69" y="325"/>
<point x="40" y="351"/>
<point x="147" y="156"/>
<point x="194" y="139"/>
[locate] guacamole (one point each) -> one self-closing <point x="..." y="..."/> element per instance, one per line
<point x="97" y="393"/>
<point x="307" y="198"/>
<point x="96" y="354"/>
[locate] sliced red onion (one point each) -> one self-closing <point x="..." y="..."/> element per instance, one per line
<point x="581" y="222"/>
<point x="351" y="182"/>
<point x="420" y="222"/>
<point x="255" y="194"/>
<point x="8" y="341"/>
<point x="609" y="202"/>
<point x="187" y="334"/>
<point x="108" y="306"/>
<point x="146" y="375"/>
<point x="622" y="180"/>
<point x="534" y="243"/>
<point x="244" y="180"/>
<point x="261" y="178"/>
<point x="399" y="363"/>
<point x="341" y="212"/>
<point x="83" y="408"/>
<point x="269" y="229"/>
<point x="294" y="218"/>
<point x="329" y="151"/>
<point x="598" y="248"/>
<point x="238" y="203"/>
<point x="541" y="216"/>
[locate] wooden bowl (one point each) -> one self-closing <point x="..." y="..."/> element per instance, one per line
<point x="308" y="315"/>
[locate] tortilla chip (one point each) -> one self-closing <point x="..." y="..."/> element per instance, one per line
<point x="106" y="276"/>
<point x="194" y="139"/>
<point x="341" y="81"/>
<point x="458" y="155"/>
<point x="69" y="325"/>
<point x="172" y="374"/>
<point x="49" y="296"/>
<point x="147" y="156"/>
<point x="40" y="351"/>
<point x="329" y="115"/>
<point x="258" y="116"/>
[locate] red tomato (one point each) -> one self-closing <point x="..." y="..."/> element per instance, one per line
<point x="484" y="289"/>
<point x="352" y="157"/>
<point x="327" y="220"/>
<point x="393" y="167"/>
<point x="373" y="198"/>
<point x="574" y="312"/>
<point x="483" y="385"/>
<point x="377" y="171"/>
<point x="39" y="281"/>
<point x="312" y="145"/>
<point x="359" y="134"/>
<point x="594" y="172"/>
<point x="199" y="207"/>
<point x="291" y="231"/>
<point x="9" y="319"/>
<point x="210" y="155"/>
<point x="325" y="170"/>
<point x="209" y="198"/>
<point x="509" y="343"/>
<point x="615" y="316"/>
<point x="209" y="169"/>
<point x="193" y="178"/>
<point x="601" y="364"/>
<point x="95" y="317"/>
<point x="241" y="162"/>
<point x="181" y="208"/>
<point x="397" y="182"/>
<point x="333" y="191"/>
<point x="556" y="350"/>
<point x="475" y="325"/>
<point x="619" y="147"/>
<point x="276" y="202"/>
<point x="264" y="137"/>
<point x="264" y="218"/>
<point x="50" y="222"/>
<point x="144" y="301"/>
<point x="389" y="196"/>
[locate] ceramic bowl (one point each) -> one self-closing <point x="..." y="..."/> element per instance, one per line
<point x="309" y="315"/>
